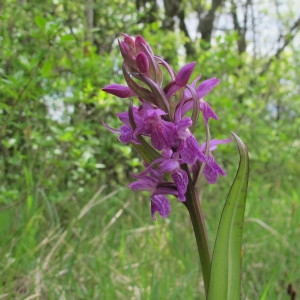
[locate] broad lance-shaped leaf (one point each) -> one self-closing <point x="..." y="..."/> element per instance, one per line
<point x="226" y="265"/>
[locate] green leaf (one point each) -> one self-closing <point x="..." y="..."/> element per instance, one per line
<point x="226" y="266"/>
<point x="40" y="22"/>
<point x="67" y="38"/>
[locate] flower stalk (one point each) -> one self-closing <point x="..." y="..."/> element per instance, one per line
<point x="197" y="218"/>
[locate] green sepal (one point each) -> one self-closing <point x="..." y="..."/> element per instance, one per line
<point x="146" y="152"/>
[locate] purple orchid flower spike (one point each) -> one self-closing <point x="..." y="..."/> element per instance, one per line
<point x="161" y="124"/>
<point x="158" y="126"/>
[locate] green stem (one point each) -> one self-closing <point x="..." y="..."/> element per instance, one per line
<point x="194" y="208"/>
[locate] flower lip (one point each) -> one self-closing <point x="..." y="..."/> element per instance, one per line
<point x="160" y="204"/>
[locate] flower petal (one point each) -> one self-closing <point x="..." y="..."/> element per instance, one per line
<point x="212" y="170"/>
<point x="181" y="180"/>
<point x="206" y="86"/>
<point x="160" y="204"/>
<point x="143" y="184"/>
<point x="184" y="74"/>
<point x="191" y="151"/>
<point x="207" y="111"/>
<point x="127" y="135"/>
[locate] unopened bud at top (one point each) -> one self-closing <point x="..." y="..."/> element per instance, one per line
<point x="141" y="44"/>
<point x="142" y="62"/>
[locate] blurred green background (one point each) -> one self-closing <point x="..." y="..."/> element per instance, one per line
<point x="69" y="226"/>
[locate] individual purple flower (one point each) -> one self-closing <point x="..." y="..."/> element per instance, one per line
<point x="179" y="176"/>
<point x="126" y="132"/>
<point x="160" y="131"/>
<point x="212" y="170"/>
<point x="187" y="145"/>
<point x="190" y="150"/>
<point x="152" y="183"/>
<point x="137" y="116"/>
<point x="201" y="91"/>
<point x="181" y="79"/>
<point x="127" y="135"/>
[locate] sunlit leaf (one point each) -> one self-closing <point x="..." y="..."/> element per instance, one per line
<point x="225" y="277"/>
<point x="40" y="22"/>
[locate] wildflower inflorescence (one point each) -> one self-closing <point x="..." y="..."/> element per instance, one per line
<point x="160" y="128"/>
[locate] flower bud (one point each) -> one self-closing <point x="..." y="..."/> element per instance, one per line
<point x="140" y="44"/>
<point x="119" y="90"/>
<point x="127" y="53"/>
<point x="142" y="62"/>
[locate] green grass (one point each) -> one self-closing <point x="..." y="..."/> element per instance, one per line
<point x="272" y="232"/>
<point x="103" y="245"/>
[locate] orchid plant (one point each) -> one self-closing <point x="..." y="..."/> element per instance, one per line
<point x="160" y="126"/>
